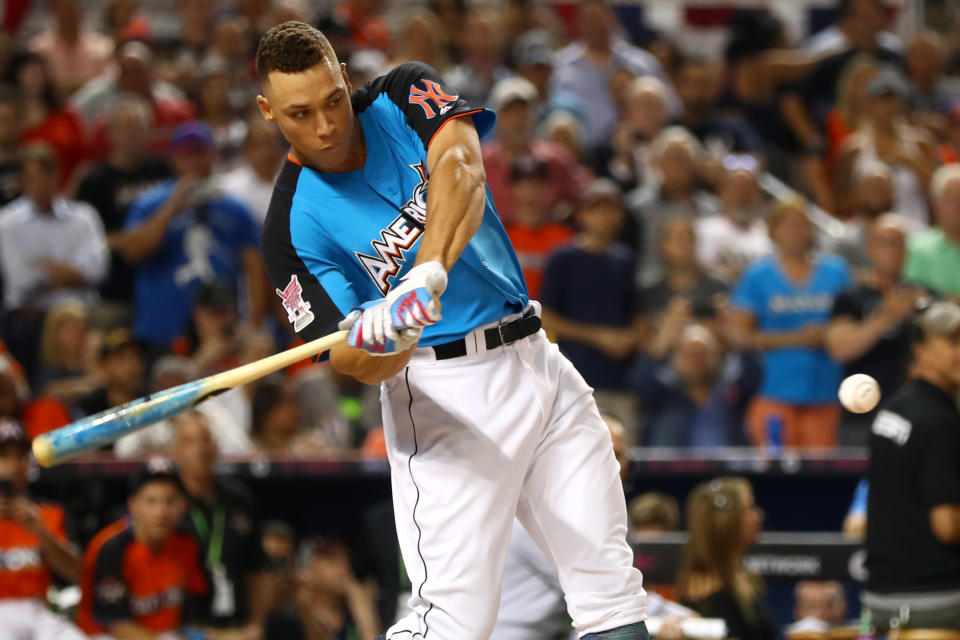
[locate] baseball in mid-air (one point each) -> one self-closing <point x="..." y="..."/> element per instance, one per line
<point x="859" y="393"/>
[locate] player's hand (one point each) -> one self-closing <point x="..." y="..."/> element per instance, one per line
<point x="27" y="514"/>
<point x="415" y="301"/>
<point x="371" y="329"/>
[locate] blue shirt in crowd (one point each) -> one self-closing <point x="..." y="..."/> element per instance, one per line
<point x="794" y="375"/>
<point x="593" y="288"/>
<point x="201" y="244"/>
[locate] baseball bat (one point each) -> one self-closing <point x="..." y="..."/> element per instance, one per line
<point x="105" y="427"/>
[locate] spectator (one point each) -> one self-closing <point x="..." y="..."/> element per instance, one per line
<point x="584" y="68"/>
<point x="886" y="135"/>
<point x="728" y="242"/>
<point x="533" y="235"/>
<point x="422" y="38"/>
<point x="112" y="186"/>
<point x="698" y="88"/>
<point x="277" y="427"/>
<point x="251" y="181"/>
<point x="66" y="369"/>
<point x="73" y="52"/>
<point x="279" y="542"/>
<point x="784" y="303"/>
<point x="329" y="600"/>
<point x="123" y="22"/>
<point x="858" y="22"/>
<point x="933" y="256"/>
<point x="872" y="197"/>
<point x="482" y="64"/>
<point x="651" y="514"/>
<point x="34" y="545"/>
<point x="598" y="337"/>
<point x="513" y="99"/>
<point x="184" y="233"/>
<point x="138" y="571"/>
<point x="676" y="156"/>
<point x="42" y="117"/>
<point x="869" y="330"/>
<point x="50" y="249"/>
<point x="926" y="60"/>
<point x="913" y="512"/>
<point x="210" y="338"/>
<point x="818" y="606"/>
<point x="231" y="435"/>
<point x="533" y="61"/>
<point x="452" y="14"/>
<point x="122" y="366"/>
<point x="134" y="72"/>
<point x="855" y="522"/>
<point x="219" y="102"/>
<point x="9" y="144"/>
<point x="684" y="293"/>
<point x="626" y="158"/>
<point x="345" y="411"/>
<point x="222" y="517"/>
<point x="695" y="395"/>
<point x="38" y="415"/>
<point x="850" y="109"/>
<point x="369" y="29"/>
<point x="723" y="522"/>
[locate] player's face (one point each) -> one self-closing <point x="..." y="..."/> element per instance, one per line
<point x="312" y="109"/>
<point x="156" y="510"/>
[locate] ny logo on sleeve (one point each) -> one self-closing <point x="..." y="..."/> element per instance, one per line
<point x="432" y="92"/>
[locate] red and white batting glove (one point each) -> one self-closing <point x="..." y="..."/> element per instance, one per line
<point x="415" y="301"/>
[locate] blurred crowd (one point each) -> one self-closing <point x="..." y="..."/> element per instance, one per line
<point x="747" y="229"/>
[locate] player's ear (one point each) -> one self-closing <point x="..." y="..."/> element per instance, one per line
<point x="346" y="77"/>
<point x="265" y="110"/>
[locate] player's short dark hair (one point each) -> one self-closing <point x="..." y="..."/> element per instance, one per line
<point x="292" y="47"/>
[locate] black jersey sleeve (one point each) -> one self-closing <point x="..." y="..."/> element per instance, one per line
<point x="425" y="101"/>
<point x="111" y="594"/>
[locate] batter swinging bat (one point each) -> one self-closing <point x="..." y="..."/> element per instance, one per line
<point x="105" y="427"/>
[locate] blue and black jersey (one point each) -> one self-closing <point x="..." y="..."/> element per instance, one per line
<point x="334" y="240"/>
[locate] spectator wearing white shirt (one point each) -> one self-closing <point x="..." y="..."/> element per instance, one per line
<point x="50" y="249"/>
<point x="728" y="242"/>
<point x="251" y="182"/>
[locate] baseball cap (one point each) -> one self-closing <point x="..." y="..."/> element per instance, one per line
<point x="601" y="189"/>
<point x="190" y="136"/>
<point x="888" y="81"/>
<point x="215" y="294"/>
<point x="511" y="90"/>
<point x="533" y="48"/>
<point x="940" y="318"/>
<point x="116" y="340"/>
<point x="11" y="432"/>
<point x="156" y="469"/>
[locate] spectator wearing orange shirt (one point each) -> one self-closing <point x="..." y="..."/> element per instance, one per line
<point x="33" y="543"/>
<point x="532" y="233"/>
<point x="138" y="571"/>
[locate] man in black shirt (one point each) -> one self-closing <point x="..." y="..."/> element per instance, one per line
<point x="113" y="185"/>
<point x="222" y="517"/>
<point x="913" y="513"/>
<point x="869" y="330"/>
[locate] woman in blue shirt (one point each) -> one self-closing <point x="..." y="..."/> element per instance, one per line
<point x="783" y="302"/>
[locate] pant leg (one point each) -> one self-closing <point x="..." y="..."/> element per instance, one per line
<point x="460" y="434"/>
<point x="50" y="626"/>
<point x="573" y="504"/>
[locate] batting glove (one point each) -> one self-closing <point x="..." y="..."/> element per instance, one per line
<point x="415" y="301"/>
<point x="370" y="329"/>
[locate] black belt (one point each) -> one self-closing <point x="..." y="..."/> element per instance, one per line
<point x="504" y="333"/>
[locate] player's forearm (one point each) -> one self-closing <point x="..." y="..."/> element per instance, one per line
<point x="64" y="559"/>
<point x="456" y="196"/>
<point x="366" y="368"/>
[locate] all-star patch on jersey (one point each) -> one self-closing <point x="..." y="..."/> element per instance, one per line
<point x="334" y="240"/>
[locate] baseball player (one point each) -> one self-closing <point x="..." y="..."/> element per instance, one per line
<point x="380" y="215"/>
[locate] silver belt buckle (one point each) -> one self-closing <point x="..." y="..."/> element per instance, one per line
<point x="503" y="340"/>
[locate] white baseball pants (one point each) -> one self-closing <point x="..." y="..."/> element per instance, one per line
<point x="29" y="619"/>
<point x="477" y="440"/>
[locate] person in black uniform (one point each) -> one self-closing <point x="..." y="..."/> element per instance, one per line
<point x="222" y="516"/>
<point x="913" y="513"/>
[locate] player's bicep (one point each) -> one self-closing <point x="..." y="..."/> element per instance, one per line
<point x="457" y="140"/>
